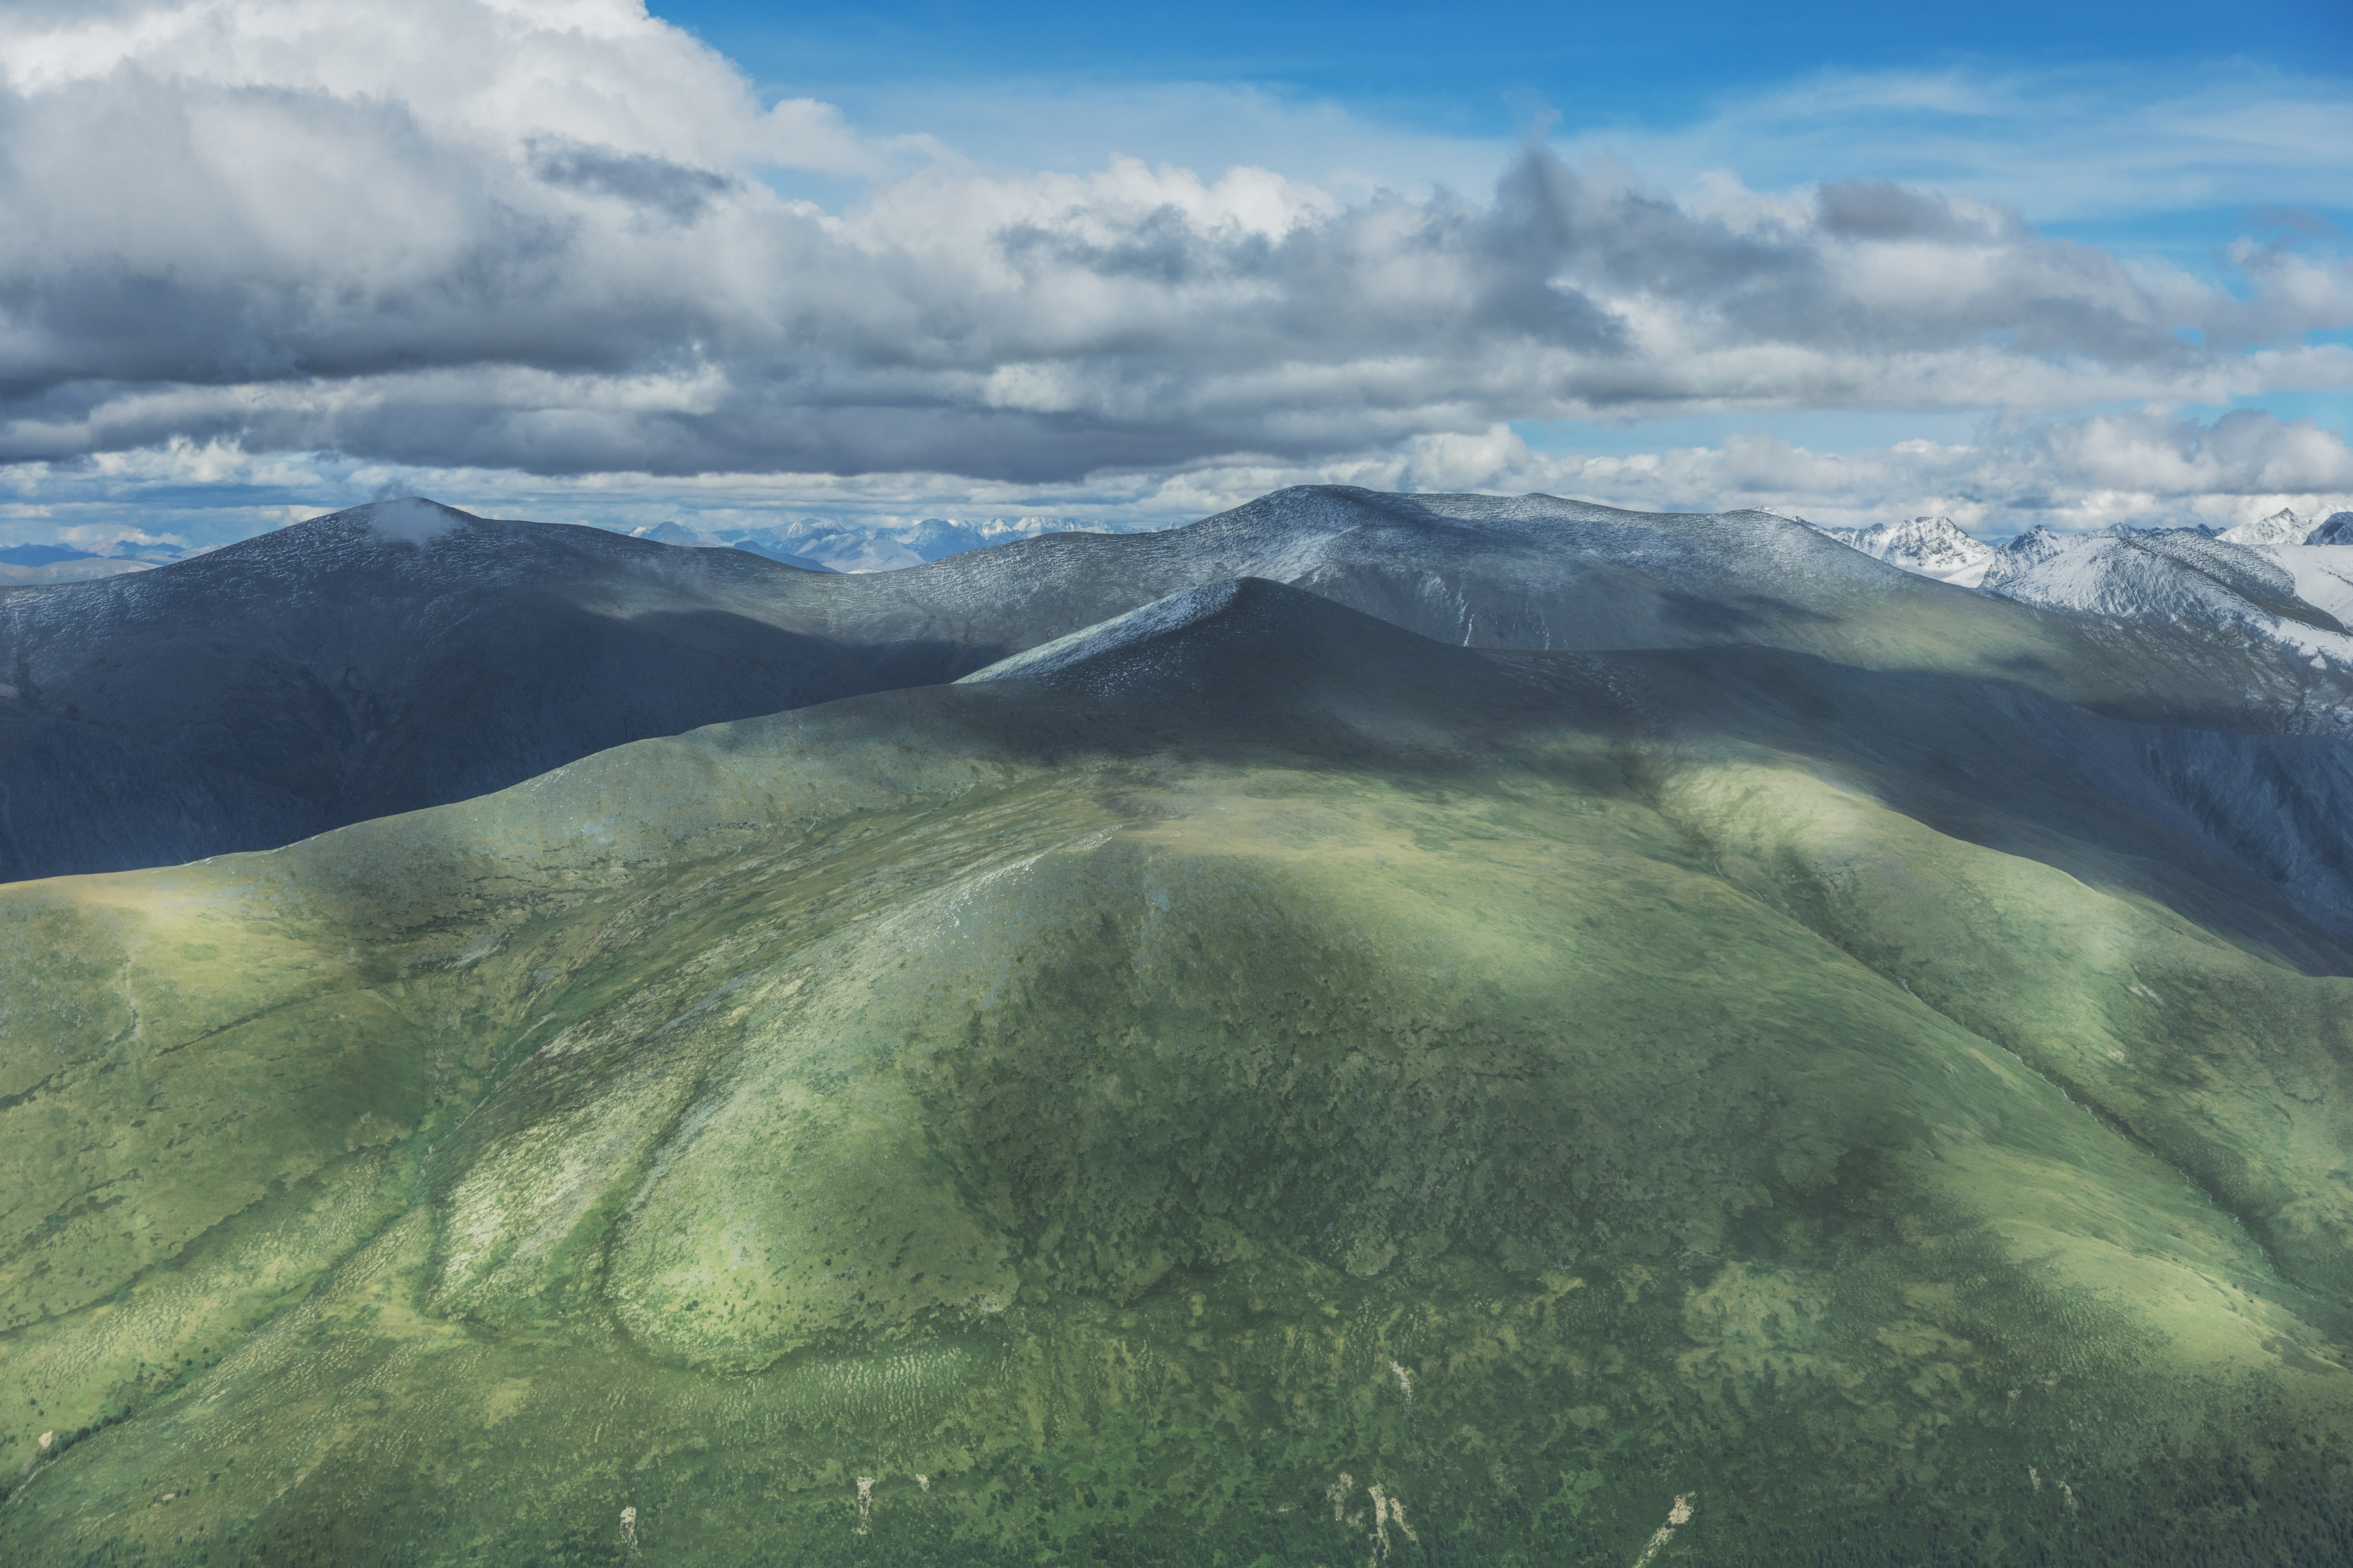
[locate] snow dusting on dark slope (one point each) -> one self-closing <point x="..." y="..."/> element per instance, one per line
<point x="1536" y="573"/>
<point x="1106" y="658"/>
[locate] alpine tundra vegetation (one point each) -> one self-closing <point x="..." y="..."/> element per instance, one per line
<point x="1862" y="1079"/>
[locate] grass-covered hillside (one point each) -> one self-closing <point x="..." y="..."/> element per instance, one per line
<point x="1246" y="1086"/>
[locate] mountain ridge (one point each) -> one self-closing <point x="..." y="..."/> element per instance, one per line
<point x="404" y="655"/>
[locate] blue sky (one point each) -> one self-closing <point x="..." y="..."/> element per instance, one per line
<point x="1461" y="78"/>
<point x="1478" y="70"/>
<point x="734" y="263"/>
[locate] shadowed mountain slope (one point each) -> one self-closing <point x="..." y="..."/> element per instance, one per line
<point x="1244" y="1083"/>
<point x="378" y="660"/>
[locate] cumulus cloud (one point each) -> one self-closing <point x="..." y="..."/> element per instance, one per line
<point x="411" y="520"/>
<point x="291" y="223"/>
<point x="537" y="237"/>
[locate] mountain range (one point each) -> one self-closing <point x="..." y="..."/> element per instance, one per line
<point x="1369" y="1029"/>
<point x="2284" y="527"/>
<point x="405" y="654"/>
<point x="23" y="564"/>
<point x="873" y="546"/>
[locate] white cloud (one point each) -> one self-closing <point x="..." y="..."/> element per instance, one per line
<point x="2147" y="468"/>
<point x="2086" y="144"/>
<point x="2093" y="142"/>
<point x="1067" y="128"/>
<point x="481" y="240"/>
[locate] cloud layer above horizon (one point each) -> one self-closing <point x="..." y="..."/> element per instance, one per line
<point x="541" y="247"/>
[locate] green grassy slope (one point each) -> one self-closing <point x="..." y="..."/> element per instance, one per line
<point x="1278" y="1091"/>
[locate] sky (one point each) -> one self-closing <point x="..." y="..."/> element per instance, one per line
<point x="736" y="264"/>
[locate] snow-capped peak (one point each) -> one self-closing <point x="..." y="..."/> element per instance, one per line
<point x="687" y="538"/>
<point x="2283" y="527"/>
<point x="1926" y="546"/>
<point x="676" y="533"/>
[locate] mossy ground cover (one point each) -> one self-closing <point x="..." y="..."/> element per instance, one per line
<point x="851" y="1138"/>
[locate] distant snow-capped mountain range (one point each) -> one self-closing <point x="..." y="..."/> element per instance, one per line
<point x="1931" y="547"/>
<point x="2283" y="577"/>
<point x="818" y="544"/>
<point x="814" y="544"/>
<point x="28" y="564"/>
<point x="2284" y="527"/>
<point x="1937" y="547"/>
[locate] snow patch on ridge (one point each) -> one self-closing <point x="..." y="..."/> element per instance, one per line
<point x="1161" y="618"/>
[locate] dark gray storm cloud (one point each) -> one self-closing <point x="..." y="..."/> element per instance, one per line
<point x="1882" y="209"/>
<point x="654" y="184"/>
